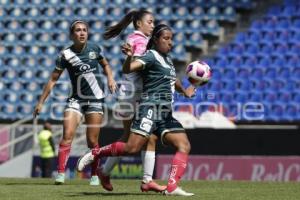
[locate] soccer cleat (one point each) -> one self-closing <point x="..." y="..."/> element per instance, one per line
<point x="84" y="161"/>
<point x="94" y="181"/>
<point x="152" y="186"/>
<point x="60" y="179"/>
<point x="105" y="180"/>
<point x="178" y="192"/>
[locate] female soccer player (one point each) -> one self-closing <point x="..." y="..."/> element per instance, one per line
<point x="143" y="22"/>
<point x="81" y="60"/>
<point x="155" y="110"/>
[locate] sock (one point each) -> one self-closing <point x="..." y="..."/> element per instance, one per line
<point x="95" y="164"/>
<point x="177" y="170"/>
<point x="114" y="149"/>
<point x="110" y="164"/>
<point x="148" y="163"/>
<point x="63" y="156"/>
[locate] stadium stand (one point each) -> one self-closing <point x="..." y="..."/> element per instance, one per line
<point x="261" y="64"/>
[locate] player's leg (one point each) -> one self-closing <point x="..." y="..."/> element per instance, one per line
<point x="182" y="145"/>
<point x="112" y="161"/>
<point x="105" y="171"/>
<point x="71" y="121"/>
<point x="93" y="122"/>
<point x="148" y="163"/>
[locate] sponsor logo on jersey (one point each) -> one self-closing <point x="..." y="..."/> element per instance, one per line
<point x="92" y="55"/>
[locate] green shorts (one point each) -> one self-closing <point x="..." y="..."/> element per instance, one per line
<point x="156" y="119"/>
<point x="84" y="107"/>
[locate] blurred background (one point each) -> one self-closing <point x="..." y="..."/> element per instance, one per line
<point x="249" y="111"/>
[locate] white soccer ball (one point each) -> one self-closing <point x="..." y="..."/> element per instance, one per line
<point x="198" y="73"/>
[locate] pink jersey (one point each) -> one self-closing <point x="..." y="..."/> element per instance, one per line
<point x="139" y="42"/>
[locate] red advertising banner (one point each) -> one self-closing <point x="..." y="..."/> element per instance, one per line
<point x="251" y="168"/>
<point x="4" y="138"/>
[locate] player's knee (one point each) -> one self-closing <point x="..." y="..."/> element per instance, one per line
<point x="67" y="137"/>
<point x="132" y="148"/>
<point x="184" y="147"/>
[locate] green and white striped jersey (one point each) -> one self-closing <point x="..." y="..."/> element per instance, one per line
<point x="83" y="71"/>
<point x="158" y="76"/>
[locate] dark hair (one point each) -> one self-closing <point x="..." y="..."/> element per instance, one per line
<point x="72" y="25"/>
<point x="156" y="34"/>
<point x="133" y="16"/>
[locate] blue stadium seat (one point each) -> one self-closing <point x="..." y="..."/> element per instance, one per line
<point x="284" y="73"/>
<point x="197" y="12"/>
<point x="284" y="97"/>
<point x="226" y="97"/>
<point x="256" y="96"/>
<point x="268" y="38"/>
<point x="241" y="97"/>
<point x="213" y="13"/>
<point x="280" y="50"/>
<point x="236" y="62"/>
<point x="251" y="50"/>
<point x="240" y="38"/>
<point x="244" y="73"/>
<point x="33" y="13"/>
<point x="250" y="62"/>
<point x="243" y="85"/>
<point x="269" y="25"/>
<point x="277" y="112"/>
<point x="291" y="111"/>
<point x="236" y="50"/>
<point x="294" y="50"/>
<point x="24" y="110"/>
<point x="229" y="14"/>
<point x="229" y="73"/>
<point x="222" y="62"/>
<point x="283" y="25"/>
<point x="229" y="85"/>
<point x="279" y="62"/>
<point x="266" y="50"/>
<point x="295" y="38"/>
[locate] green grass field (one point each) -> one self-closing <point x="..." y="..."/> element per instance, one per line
<point x="42" y="189"/>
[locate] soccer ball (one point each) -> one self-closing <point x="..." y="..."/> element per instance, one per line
<point x="198" y="73"/>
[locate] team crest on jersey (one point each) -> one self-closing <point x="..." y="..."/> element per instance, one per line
<point x="92" y="55"/>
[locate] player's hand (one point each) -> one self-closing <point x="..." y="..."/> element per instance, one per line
<point x="127" y="49"/>
<point x="37" y="110"/>
<point x="112" y="85"/>
<point x="190" y="91"/>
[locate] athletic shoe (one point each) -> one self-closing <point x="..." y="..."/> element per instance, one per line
<point x="105" y="180"/>
<point x="84" y="161"/>
<point x="94" y="181"/>
<point x="178" y="192"/>
<point x="60" y="179"/>
<point x="152" y="186"/>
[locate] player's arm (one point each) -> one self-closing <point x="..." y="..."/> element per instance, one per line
<point x="47" y="89"/>
<point x="130" y="65"/>
<point x="188" y="92"/>
<point x="108" y="72"/>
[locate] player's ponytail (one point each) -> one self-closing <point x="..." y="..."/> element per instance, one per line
<point x="156" y="34"/>
<point x="133" y="16"/>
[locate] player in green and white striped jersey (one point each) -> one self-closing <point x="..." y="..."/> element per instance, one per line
<point x="81" y="60"/>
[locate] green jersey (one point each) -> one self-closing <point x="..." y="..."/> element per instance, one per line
<point x="83" y="71"/>
<point x="158" y="76"/>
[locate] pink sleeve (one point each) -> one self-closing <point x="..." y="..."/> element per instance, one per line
<point x="138" y="44"/>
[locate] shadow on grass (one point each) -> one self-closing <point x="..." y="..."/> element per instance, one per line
<point x="24" y="183"/>
<point x="112" y="194"/>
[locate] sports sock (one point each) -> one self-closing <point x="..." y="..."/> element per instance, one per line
<point x="148" y="163"/>
<point x="177" y="170"/>
<point x="63" y="156"/>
